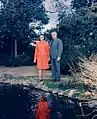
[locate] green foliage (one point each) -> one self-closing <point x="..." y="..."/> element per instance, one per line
<point x="20" y="60"/>
<point x="78" y="31"/>
<point x="15" y="16"/>
<point x="81" y="3"/>
<point x="69" y="86"/>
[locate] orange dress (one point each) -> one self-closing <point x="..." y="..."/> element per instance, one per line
<point x="43" y="111"/>
<point x="42" y="54"/>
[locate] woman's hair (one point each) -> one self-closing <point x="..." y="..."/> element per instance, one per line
<point x="41" y="35"/>
<point x="43" y="97"/>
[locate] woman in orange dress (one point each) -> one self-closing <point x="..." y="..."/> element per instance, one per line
<point x="43" y="111"/>
<point x="41" y="56"/>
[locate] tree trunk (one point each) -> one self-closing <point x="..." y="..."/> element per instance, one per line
<point x="15" y="48"/>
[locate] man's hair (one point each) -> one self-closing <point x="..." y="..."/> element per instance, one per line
<point x="53" y="32"/>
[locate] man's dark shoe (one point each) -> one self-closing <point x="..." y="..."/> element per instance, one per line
<point x="58" y="80"/>
<point x="54" y="80"/>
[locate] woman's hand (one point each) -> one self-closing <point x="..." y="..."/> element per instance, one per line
<point x="34" y="61"/>
<point x="49" y="59"/>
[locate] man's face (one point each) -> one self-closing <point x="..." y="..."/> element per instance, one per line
<point x="54" y="35"/>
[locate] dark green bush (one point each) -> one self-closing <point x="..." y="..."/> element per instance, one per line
<point x="78" y="32"/>
<point x="20" y="60"/>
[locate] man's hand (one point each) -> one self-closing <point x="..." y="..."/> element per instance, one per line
<point x="58" y="59"/>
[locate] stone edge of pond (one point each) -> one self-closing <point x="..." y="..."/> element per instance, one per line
<point x="51" y="92"/>
<point x="13" y="80"/>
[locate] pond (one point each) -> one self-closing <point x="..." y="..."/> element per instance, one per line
<point x="19" y="102"/>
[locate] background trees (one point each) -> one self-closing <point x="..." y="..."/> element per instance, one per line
<point x="78" y="30"/>
<point x="15" y="16"/>
<point x="81" y="3"/>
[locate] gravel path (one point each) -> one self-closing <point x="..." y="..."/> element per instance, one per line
<point x="22" y="71"/>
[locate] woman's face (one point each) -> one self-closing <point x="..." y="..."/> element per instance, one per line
<point x="41" y="38"/>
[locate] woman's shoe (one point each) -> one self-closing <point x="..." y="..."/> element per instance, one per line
<point x="41" y="82"/>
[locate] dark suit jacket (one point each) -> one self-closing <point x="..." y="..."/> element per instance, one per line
<point x="56" y="48"/>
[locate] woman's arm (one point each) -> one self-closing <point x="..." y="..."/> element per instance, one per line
<point x="48" y="49"/>
<point x="35" y="55"/>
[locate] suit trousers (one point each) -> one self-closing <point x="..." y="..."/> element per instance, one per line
<point x="55" y="66"/>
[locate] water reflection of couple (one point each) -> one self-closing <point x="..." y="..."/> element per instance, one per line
<point x="44" y="51"/>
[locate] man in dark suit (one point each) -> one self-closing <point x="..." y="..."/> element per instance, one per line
<point x="55" y="54"/>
